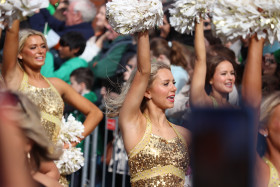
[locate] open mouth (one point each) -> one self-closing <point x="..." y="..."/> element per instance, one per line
<point x="171" y="98"/>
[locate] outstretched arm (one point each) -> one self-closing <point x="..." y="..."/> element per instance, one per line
<point x="252" y="77"/>
<point x="198" y="96"/>
<point x="10" y="67"/>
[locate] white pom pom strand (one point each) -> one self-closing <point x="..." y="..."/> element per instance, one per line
<point x="131" y="16"/>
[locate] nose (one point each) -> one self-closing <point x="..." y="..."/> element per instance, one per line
<point x="174" y="88"/>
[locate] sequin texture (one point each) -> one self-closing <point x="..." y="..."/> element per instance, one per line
<point x="158" y="162"/>
<point x="50" y="104"/>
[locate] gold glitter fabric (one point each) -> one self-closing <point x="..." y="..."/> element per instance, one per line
<point x="50" y="104"/>
<point x="274" y="180"/>
<point x="155" y="161"/>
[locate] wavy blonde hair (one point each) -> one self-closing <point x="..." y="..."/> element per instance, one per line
<point x="268" y="105"/>
<point x="113" y="105"/>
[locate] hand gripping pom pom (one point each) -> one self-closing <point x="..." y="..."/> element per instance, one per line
<point x="71" y="130"/>
<point x="72" y="159"/>
<point x="131" y="16"/>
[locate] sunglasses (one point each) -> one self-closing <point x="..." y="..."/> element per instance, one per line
<point x="11" y="99"/>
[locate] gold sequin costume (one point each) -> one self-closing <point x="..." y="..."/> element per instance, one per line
<point x="51" y="107"/>
<point x="50" y="104"/>
<point x="155" y="161"/>
<point x="274" y="180"/>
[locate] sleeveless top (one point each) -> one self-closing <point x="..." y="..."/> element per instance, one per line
<point x="50" y="104"/>
<point x="274" y="180"/>
<point x="155" y="161"/>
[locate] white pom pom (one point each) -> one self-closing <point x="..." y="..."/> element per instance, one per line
<point x="186" y="12"/>
<point x="130" y="16"/>
<point x="71" y="130"/>
<point x="269" y="19"/>
<point x="14" y="9"/>
<point x="239" y="18"/>
<point x="70" y="161"/>
<point x="234" y="19"/>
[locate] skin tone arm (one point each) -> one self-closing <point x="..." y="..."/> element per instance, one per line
<point x="252" y="78"/>
<point x="131" y="118"/>
<point x="252" y="95"/>
<point x="10" y="66"/>
<point x="198" y="96"/>
<point x="93" y="114"/>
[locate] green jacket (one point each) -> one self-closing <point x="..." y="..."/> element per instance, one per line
<point x="105" y="63"/>
<point x="64" y="71"/>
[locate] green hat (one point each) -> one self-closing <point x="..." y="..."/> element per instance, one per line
<point x="277" y="56"/>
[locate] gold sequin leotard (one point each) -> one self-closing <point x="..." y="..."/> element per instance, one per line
<point x="50" y="104"/>
<point x="274" y="180"/>
<point x="155" y="161"/>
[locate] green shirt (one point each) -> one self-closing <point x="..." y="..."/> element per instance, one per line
<point x="64" y="70"/>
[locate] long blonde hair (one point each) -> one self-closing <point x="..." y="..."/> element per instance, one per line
<point x="113" y="105"/>
<point x="268" y="105"/>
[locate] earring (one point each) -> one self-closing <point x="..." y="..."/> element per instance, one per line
<point x="265" y="135"/>
<point x="28" y="157"/>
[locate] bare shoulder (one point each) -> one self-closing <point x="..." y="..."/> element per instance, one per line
<point x="184" y="132"/>
<point x="262" y="172"/>
<point x="59" y="84"/>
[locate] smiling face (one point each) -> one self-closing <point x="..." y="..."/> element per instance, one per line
<point x="162" y="90"/>
<point x="224" y="78"/>
<point x="34" y="51"/>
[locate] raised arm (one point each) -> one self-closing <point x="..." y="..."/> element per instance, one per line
<point x="131" y="106"/>
<point x="10" y="68"/>
<point x="252" y="77"/>
<point x="198" y="95"/>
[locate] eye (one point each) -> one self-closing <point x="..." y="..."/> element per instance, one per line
<point x="32" y="47"/>
<point x="174" y="82"/>
<point x="166" y="84"/>
<point x="44" y="46"/>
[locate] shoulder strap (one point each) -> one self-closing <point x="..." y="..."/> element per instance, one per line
<point x="214" y="101"/>
<point x="51" y="86"/>
<point x="24" y="81"/>
<point x="178" y="133"/>
<point x="144" y="141"/>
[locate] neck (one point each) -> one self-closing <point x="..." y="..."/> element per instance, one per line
<point x="156" y="115"/>
<point x="220" y="98"/>
<point x="34" y="75"/>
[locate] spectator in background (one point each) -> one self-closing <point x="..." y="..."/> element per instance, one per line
<point x="105" y="63"/>
<point x="78" y="17"/>
<point x="81" y="80"/>
<point x="271" y="68"/>
<point x="71" y="45"/>
<point x="94" y="43"/>
<point x="168" y="53"/>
